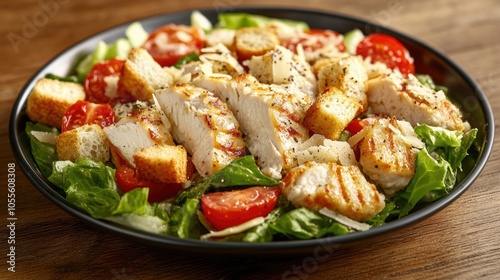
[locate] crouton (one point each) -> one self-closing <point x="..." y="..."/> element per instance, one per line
<point x="87" y="141"/>
<point x="252" y="41"/>
<point x="347" y="74"/>
<point x="141" y="75"/>
<point x="162" y="163"/>
<point x="50" y="99"/>
<point x="331" y="113"/>
<point x="221" y="36"/>
<point x="320" y="63"/>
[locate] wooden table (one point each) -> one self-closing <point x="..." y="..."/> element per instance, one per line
<point x="462" y="241"/>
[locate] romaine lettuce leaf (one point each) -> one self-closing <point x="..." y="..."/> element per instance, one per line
<point x="43" y="153"/>
<point x="302" y="223"/>
<point x="241" y="172"/>
<point x="240" y="20"/>
<point x="426" y="80"/>
<point x="88" y="185"/>
<point x="184" y="221"/>
<point x="437" y="137"/>
<point x="134" y="211"/>
<point x="91" y="187"/>
<point x="382" y="216"/>
<point x="264" y="232"/>
<point x="457" y="154"/>
<point x="433" y="177"/>
<point x="134" y="201"/>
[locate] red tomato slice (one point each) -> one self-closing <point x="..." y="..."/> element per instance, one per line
<point x="386" y="49"/>
<point x="315" y="39"/>
<point x="83" y="112"/>
<point x="355" y="126"/>
<point x="169" y="43"/>
<point x="97" y="80"/>
<point x="231" y="208"/>
<point x="127" y="180"/>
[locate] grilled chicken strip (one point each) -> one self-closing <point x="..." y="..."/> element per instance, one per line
<point x="204" y="125"/>
<point x="388" y="152"/>
<point x="408" y="99"/>
<point x="137" y="131"/>
<point x="280" y="66"/>
<point x="269" y="116"/>
<point x="343" y="189"/>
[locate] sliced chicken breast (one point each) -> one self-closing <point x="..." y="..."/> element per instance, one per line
<point x="137" y="131"/>
<point x="281" y="66"/>
<point x="388" y="152"/>
<point x="269" y="116"/>
<point x="408" y="99"/>
<point x="343" y="189"/>
<point x="204" y="125"/>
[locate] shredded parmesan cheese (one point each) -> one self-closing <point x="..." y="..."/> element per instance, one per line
<point x="344" y="220"/>
<point x="233" y="230"/>
<point x="111" y="86"/>
<point x="353" y="140"/>
<point x="45" y="137"/>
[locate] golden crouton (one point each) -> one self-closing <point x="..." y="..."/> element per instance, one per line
<point x="162" y="163"/>
<point x="141" y="75"/>
<point x="50" y="99"/>
<point x="87" y="141"/>
<point x="347" y="74"/>
<point x="331" y="113"/>
<point x="252" y="41"/>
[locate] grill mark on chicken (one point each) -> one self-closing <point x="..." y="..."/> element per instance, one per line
<point x="407" y="99"/>
<point x="269" y="116"/>
<point x="342" y="185"/>
<point x="385" y="157"/>
<point x="204" y="125"/>
<point x="343" y="189"/>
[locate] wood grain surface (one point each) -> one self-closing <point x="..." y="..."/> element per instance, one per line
<point x="460" y="242"/>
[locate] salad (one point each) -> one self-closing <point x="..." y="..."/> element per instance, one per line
<point x="258" y="130"/>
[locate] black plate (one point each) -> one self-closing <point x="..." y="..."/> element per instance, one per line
<point x="464" y="92"/>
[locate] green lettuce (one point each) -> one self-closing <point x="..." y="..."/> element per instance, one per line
<point x="381" y="218"/>
<point x="91" y="187"/>
<point x="240" y="20"/>
<point x="241" y="172"/>
<point x="134" y="211"/>
<point x="43" y="153"/>
<point x="426" y="80"/>
<point x="88" y="185"/>
<point x="186" y="59"/>
<point x="184" y="221"/>
<point x="264" y="232"/>
<point x="437" y="165"/>
<point x="433" y="177"/>
<point x="302" y="223"/>
<point x="438" y="137"/>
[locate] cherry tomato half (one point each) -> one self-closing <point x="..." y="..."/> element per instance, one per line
<point x="169" y="43"/>
<point x="96" y="82"/>
<point x="127" y="180"/>
<point x="315" y="39"/>
<point x="355" y="126"/>
<point x="83" y="112"/>
<point x="231" y="208"/>
<point x="386" y="49"/>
